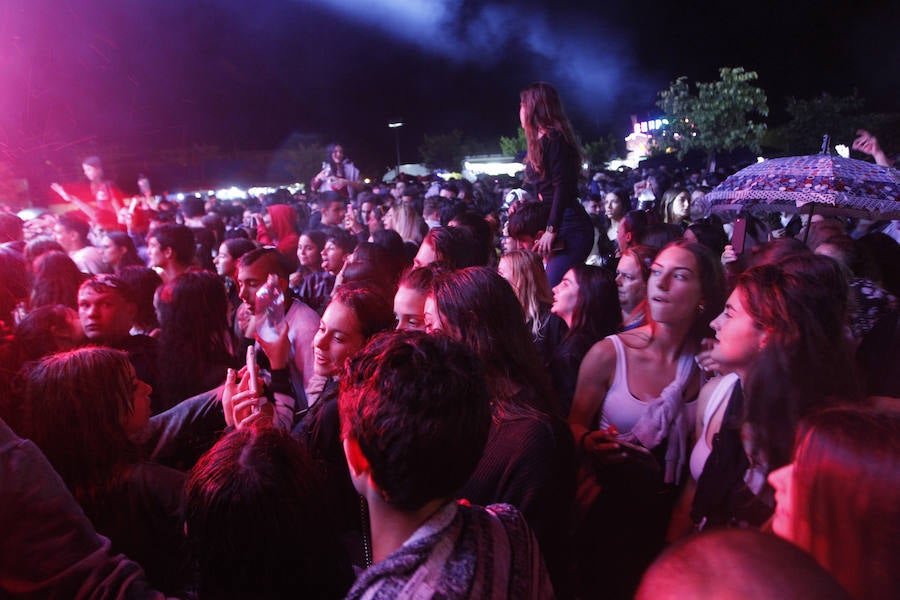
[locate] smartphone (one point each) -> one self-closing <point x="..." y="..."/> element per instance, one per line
<point x="253" y="370"/>
<point x="629" y="447"/>
<point x="739" y="235"/>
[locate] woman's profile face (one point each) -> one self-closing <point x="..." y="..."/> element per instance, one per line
<point x="738" y="339"/>
<point x="425" y="256"/>
<point x="523" y="115"/>
<point x="674" y="291"/>
<point x="504" y="269"/>
<point x="565" y="296"/>
<point x="339" y="336"/>
<point x="782" y="480"/>
<point x="434" y="322"/>
<point x="109" y="252"/>
<point x="225" y="266"/>
<point x="388" y="220"/>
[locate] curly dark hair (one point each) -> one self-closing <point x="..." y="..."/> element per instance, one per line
<point x="419" y="409"/>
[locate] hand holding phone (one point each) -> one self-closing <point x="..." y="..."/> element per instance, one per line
<point x="739" y="235"/>
<point x="252" y="371"/>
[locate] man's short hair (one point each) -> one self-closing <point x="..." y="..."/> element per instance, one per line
<point x="193" y="207"/>
<point x="106" y="284"/>
<point x="529" y="219"/>
<point x="326" y="198"/>
<point x="419" y="408"/>
<point x="271" y="260"/>
<point x="432" y="205"/>
<point x="179" y="238"/>
<point x="341" y="238"/>
<point x="75" y="221"/>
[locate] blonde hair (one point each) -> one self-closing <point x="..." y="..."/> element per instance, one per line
<point x="668" y="200"/>
<point x="529" y="281"/>
<point x="408" y="223"/>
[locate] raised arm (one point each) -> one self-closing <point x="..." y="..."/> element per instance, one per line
<point x="868" y="144"/>
<point x="81" y="204"/>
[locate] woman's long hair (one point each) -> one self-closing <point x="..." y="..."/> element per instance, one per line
<point x="75" y="404"/>
<point x="529" y="282"/>
<point x="544" y="112"/>
<point x="480" y="309"/>
<point x="337" y="169"/>
<point x="597" y="313"/>
<point x="408" y="223"/>
<point x="130" y="258"/>
<point x="56" y="280"/>
<point x="194" y="337"/>
<point x="847" y="496"/>
<point x="805" y="363"/>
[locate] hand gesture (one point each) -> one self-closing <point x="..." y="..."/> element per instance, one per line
<point x="868" y="144"/>
<point x="704" y="359"/>
<point x="728" y="255"/>
<point x="544" y="244"/>
<point x="240" y="405"/>
<point x="604" y="447"/>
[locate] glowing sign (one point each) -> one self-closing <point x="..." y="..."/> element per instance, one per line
<point x="651" y="125"/>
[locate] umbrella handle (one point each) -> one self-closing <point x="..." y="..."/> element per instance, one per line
<point x="812" y="209"/>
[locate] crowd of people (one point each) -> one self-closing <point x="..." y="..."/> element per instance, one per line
<point x="430" y="389"/>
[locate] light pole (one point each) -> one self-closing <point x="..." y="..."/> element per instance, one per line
<point x="396" y="125"/>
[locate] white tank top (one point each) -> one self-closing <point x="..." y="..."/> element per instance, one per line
<point x="621" y="408"/>
<point x="720" y="394"/>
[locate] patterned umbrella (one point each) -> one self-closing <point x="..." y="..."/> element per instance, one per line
<point x="824" y="183"/>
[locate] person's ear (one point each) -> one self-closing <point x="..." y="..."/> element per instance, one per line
<point x="764" y="339"/>
<point x="167" y="252"/>
<point x="356" y="460"/>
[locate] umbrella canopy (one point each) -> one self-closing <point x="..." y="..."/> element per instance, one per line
<point x="414" y="169"/>
<point x="822" y="182"/>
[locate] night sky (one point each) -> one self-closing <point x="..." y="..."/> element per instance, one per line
<point x="83" y="76"/>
